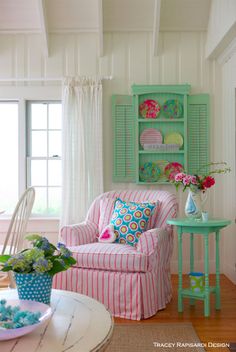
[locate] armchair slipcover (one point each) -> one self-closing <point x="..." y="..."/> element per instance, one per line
<point x="133" y="283"/>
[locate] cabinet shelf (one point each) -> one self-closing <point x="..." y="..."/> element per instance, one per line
<point x="154" y="183"/>
<point x="160" y="120"/>
<point x="161" y="152"/>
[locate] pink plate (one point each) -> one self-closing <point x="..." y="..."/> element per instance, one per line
<point x="32" y="306"/>
<point x="149" y="109"/>
<point x="150" y="136"/>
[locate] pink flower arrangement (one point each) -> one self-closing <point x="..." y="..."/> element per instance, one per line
<point x="201" y="182"/>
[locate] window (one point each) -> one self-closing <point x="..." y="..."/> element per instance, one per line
<point x="9" y="149"/>
<point x="44" y="156"/>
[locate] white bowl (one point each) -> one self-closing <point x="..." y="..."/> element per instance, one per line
<point x="32" y="306"/>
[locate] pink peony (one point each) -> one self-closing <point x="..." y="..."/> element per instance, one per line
<point x="187" y="180"/>
<point x="193" y="180"/>
<point x="179" y="177"/>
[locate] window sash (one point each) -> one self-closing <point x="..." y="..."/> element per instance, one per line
<point x="47" y="158"/>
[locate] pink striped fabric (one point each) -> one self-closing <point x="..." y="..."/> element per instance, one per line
<point x="75" y="235"/>
<point x="106" y="210"/>
<point x="110" y="256"/>
<point x="131" y="283"/>
<point x="149" y="241"/>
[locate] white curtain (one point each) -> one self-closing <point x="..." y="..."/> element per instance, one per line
<point x="82" y="164"/>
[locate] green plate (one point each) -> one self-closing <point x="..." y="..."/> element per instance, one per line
<point x="174" y="138"/>
<point x="172" y="108"/>
<point x="149" y="172"/>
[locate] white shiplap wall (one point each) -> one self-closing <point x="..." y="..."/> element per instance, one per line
<point x="221" y="26"/>
<point x="128" y="58"/>
<point x="228" y="150"/>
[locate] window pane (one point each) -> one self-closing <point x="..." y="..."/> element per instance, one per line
<point x="40" y="203"/>
<point x="39" y="143"/>
<point x="8" y="156"/>
<point x="54" y="172"/>
<point x="54" y="116"/>
<point x="39" y="116"/>
<point x="54" y="143"/>
<point x="38" y="173"/>
<point x="54" y="200"/>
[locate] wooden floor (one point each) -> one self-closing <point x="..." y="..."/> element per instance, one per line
<point x="220" y="327"/>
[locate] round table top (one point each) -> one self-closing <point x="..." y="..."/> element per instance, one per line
<point x="198" y="223"/>
<point x="78" y="323"/>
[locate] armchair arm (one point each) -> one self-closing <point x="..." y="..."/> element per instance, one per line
<point x="149" y="240"/>
<point x="75" y="235"/>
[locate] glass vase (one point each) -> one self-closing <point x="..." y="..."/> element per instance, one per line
<point x="194" y="203"/>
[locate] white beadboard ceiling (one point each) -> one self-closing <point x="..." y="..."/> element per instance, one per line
<point x="72" y="16"/>
<point x="118" y="15"/>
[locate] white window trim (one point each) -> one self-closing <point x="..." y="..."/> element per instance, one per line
<point x="22" y="94"/>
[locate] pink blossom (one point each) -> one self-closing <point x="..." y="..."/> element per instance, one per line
<point x="193" y="180"/>
<point x="179" y="177"/>
<point x="187" y="180"/>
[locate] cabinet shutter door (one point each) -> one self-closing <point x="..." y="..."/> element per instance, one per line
<point x="123" y="138"/>
<point x="198" y="132"/>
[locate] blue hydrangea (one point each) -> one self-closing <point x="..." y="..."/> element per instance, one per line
<point x="65" y="252"/>
<point x="42" y="265"/>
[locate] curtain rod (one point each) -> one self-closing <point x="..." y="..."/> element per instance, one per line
<point x="41" y="79"/>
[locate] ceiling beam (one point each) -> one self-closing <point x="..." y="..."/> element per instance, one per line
<point x="156" y="26"/>
<point x="100" y="28"/>
<point x="44" y="25"/>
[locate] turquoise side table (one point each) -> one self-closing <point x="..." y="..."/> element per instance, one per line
<point x="192" y="227"/>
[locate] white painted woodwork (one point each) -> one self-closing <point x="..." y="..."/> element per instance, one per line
<point x="78" y="323"/>
<point x="100" y="27"/>
<point x="19" y="15"/>
<point x="129" y="59"/>
<point x="73" y="15"/>
<point x="227" y="149"/>
<point x="66" y="16"/>
<point x="221" y="27"/>
<point x="156" y="25"/>
<point x="184" y="15"/>
<point x="43" y="25"/>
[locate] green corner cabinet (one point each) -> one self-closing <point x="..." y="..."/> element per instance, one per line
<point x="155" y="126"/>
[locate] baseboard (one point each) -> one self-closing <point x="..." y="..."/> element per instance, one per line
<point x="230" y="272"/>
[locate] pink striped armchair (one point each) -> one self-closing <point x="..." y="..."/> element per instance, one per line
<point x="133" y="283"/>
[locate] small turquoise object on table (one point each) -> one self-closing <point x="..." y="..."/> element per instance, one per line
<point x="204" y="228"/>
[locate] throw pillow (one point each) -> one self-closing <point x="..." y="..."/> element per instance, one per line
<point x="107" y="207"/>
<point x="107" y="235"/>
<point x="130" y="220"/>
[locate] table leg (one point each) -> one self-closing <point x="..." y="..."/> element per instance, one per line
<point x="207" y="286"/>
<point x="192" y="301"/>
<point x="180" y="284"/>
<point x="217" y="301"/>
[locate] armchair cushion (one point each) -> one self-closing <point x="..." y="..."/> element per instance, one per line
<point x="110" y="256"/>
<point x="130" y="220"/>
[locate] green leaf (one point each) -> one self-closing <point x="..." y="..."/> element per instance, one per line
<point x="69" y="260"/>
<point x="4" y="258"/>
<point x="6" y="268"/>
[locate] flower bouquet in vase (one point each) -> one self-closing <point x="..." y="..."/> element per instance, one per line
<point x="35" y="267"/>
<point x="198" y="184"/>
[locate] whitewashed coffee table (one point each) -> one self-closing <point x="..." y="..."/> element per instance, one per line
<point x="78" y="324"/>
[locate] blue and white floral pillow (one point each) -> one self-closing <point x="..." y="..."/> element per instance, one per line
<point x="130" y="219"/>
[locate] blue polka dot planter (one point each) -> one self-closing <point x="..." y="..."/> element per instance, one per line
<point x="34" y="287"/>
